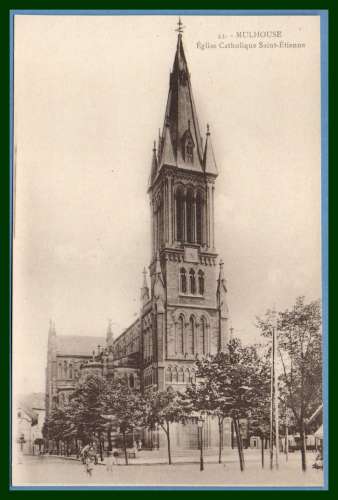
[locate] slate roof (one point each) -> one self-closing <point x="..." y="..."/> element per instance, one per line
<point x="181" y="124"/>
<point x="180" y="116"/>
<point x="76" y="345"/>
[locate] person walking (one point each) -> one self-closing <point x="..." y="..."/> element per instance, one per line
<point x="109" y="462"/>
<point x="90" y="461"/>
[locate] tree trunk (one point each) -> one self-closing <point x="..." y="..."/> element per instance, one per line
<point x="241" y="443"/>
<point x="237" y="431"/>
<point x="100" y="447"/>
<point x="262" y="451"/>
<point x="168" y="442"/>
<point x="303" y="445"/>
<point x="110" y="446"/>
<point x="125" y="447"/>
<point x="220" y="443"/>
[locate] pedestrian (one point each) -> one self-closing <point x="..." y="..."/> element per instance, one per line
<point x="83" y="453"/>
<point x="115" y="453"/>
<point x="90" y="461"/>
<point x="139" y="445"/>
<point x="110" y="462"/>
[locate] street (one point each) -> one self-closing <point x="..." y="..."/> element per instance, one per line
<point x="62" y="472"/>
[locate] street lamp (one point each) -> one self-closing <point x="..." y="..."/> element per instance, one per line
<point x="200" y="422"/>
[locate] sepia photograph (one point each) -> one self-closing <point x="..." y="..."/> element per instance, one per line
<point x="169" y="263"/>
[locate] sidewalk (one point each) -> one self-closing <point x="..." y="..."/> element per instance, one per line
<point x="158" y="457"/>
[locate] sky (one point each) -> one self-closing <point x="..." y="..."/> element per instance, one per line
<point x="90" y="95"/>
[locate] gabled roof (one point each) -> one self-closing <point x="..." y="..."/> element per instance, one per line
<point x="76" y="345"/>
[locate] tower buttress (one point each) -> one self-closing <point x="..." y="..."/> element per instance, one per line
<point x="223" y="309"/>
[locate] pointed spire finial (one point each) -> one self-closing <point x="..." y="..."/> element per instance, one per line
<point x="154" y="147"/>
<point x="144" y="272"/>
<point x="180" y="27"/>
<point x="208" y="129"/>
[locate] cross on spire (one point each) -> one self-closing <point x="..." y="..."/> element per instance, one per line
<point x="180" y="27"/>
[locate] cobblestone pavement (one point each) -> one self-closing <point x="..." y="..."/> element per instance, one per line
<point x="49" y="471"/>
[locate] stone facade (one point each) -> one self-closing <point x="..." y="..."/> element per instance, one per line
<point x="67" y="356"/>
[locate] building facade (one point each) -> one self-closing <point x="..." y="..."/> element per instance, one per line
<point x="67" y="355"/>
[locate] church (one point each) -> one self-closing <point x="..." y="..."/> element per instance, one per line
<point x="183" y="306"/>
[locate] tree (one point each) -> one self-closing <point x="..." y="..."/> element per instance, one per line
<point x="85" y="410"/>
<point x="209" y="395"/>
<point x="260" y="412"/>
<point x="125" y="407"/>
<point x="163" y="409"/>
<point x="300" y="353"/>
<point x="228" y="384"/>
<point x="55" y="427"/>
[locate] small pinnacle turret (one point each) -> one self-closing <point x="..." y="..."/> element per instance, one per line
<point x="109" y="334"/>
<point x="209" y="162"/>
<point x="52" y="330"/>
<point x="145" y="289"/>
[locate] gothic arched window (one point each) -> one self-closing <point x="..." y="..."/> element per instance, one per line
<point x="189" y="151"/>
<point x="179" y="215"/>
<point x="201" y="282"/>
<point x="60" y="370"/>
<point x="175" y="375"/>
<point x="160" y="224"/>
<point x="203" y="337"/>
<point x="65" y="369"/>
<point x="168" y="375"/>
<point x="131" y="381"/>
<point x="180" y="336"/>
<point x="183" y="280"/>
<point x="199" y="218"/>
<point x="181" y="375"/>
<point x="192" y="281"/>
<point x="190" y="337"/>
<point x="190" y="216"/>
<point x="70" y="370"/>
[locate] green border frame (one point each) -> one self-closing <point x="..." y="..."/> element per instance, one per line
<point x="5" y="7"/>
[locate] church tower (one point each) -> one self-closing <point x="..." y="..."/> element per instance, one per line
<point x="187" y="315"/>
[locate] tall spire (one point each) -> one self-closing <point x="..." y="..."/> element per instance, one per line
<point x="181" y="145"/>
